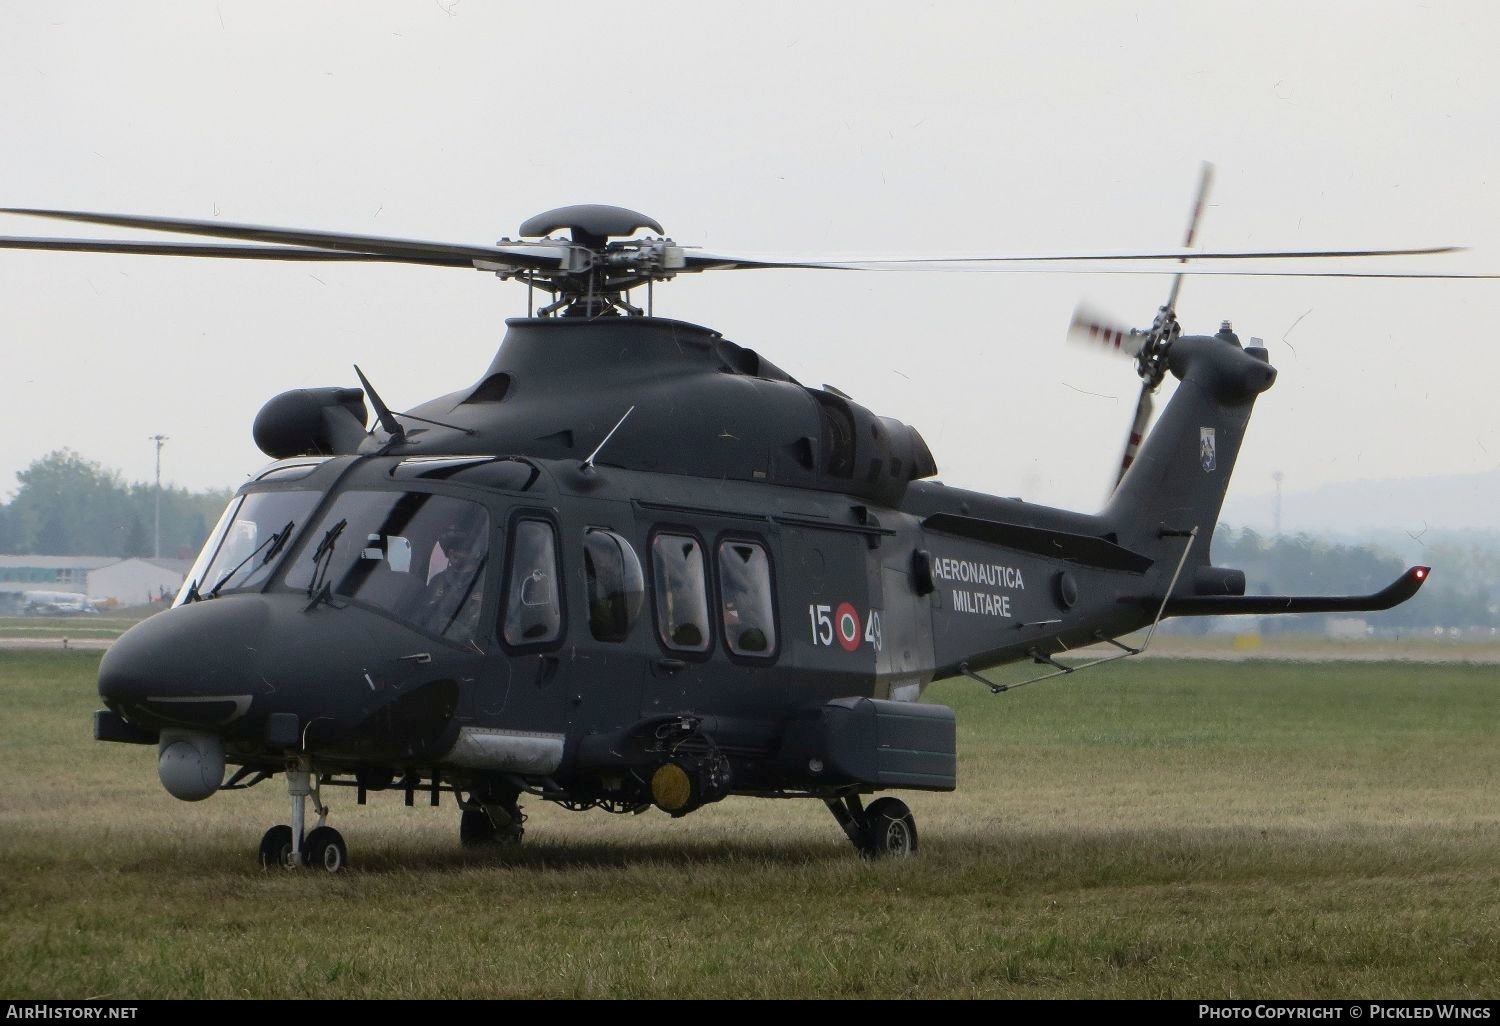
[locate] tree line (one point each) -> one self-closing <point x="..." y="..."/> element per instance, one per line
<point x="1463" y="592"/>
<point x="70" y="506"/>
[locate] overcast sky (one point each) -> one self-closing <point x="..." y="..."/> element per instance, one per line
<point x="771" y="127"/>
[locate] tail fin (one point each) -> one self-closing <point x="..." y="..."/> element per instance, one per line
<point x="1179" y="479"/>
<point x="1177" y="483"/>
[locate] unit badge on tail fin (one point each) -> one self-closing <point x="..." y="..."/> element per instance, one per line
<point x="1207" y="454"/>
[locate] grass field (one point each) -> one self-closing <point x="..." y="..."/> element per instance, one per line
<point x="1162" y="829"/>
<point x="100" y="627"/>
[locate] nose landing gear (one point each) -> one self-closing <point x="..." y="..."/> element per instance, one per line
<point x="288" y="846"/>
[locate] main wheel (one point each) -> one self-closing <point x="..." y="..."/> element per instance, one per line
<point x="890" y="831"/>
<point x="276" y="848"/>
<point x="475" y="828"/>
<point x="325" y="847"/>
<point x="479" y="826"/>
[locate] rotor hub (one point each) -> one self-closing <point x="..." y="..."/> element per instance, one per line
<point x="591" y="224"/>
<point x="599" y="272"/>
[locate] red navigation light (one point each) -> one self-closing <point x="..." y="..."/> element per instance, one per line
<point x="1420" y="572"/>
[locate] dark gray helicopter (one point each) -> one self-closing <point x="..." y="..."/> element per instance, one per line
<point x="635" y="564"/>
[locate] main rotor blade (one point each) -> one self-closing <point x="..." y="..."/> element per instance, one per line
<point x="700" y="261"/>
<point x="454" y="254"/>
<point x="556" y="256"/>
<point x="208" y="249"/>
<point x="1232" y="272"/>
<point x="1123" y="269"/>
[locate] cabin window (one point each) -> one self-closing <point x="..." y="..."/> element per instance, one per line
<point x="749" y="616"/>
<point x="416" y="556"/>
<point x="681" y="592"/>
<point x="533" y="609"/>
<point x="616" y="586"/>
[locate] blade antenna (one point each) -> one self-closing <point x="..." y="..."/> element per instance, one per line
<point x="588" y="462"/>
<point x="382" y="411"/>
<point x="1151" y="360"/>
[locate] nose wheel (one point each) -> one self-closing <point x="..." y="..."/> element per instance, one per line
<point x="326" y="848"/>
<point x="288" y="846"/>
<point x="276" y="848"/>
<point x="886" y="829"/>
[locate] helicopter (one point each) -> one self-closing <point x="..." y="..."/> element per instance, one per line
<point x="635" y="565"/>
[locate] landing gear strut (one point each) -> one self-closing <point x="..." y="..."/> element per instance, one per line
<point x="886" y="829"/>
<point x="491" y="818"/>
<point x="291" y="848"/>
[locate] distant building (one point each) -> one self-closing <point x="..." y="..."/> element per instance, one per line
<point x="1347" y="628"/>
<point x="59" y="573"/>
<point x="107" y="580"/>
<point x="137" y="581"/>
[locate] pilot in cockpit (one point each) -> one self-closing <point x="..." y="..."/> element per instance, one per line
<point x="456" y="591"/>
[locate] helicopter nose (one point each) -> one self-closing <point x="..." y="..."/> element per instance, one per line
<point x="192" y="666"/>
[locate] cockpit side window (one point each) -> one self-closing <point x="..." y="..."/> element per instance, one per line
<point x="745" y="590"/>
<point x="616" y="586"/>
<point x="681" y="592"/>
<point x="533" y="605"/>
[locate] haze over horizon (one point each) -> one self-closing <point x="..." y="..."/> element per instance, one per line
<point x="791" y="129"/>
<point x="1415" y="506"/>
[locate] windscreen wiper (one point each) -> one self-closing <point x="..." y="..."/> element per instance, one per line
<point x="275" y="543"/>
<point x="318" y="589"/>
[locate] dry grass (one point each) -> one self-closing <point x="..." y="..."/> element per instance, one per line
<point x="1155" y="830"/>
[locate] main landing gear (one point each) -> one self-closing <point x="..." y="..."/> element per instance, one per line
<point x="491" y="817"/>
<point x="886" y="829"/>
<point x="288" y="846"/>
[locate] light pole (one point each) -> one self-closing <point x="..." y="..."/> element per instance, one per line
<point x="160" y="440"/>
<point x="1276" y="519"/>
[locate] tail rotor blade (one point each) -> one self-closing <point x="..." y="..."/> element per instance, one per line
<point x="1205" y="180"/>
<point x="1137" y="431"/>
<point x="1093" y="329"/>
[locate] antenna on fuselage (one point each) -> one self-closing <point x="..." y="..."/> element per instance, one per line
<point x="382" y="411"/>
<point x="589" y="461"/>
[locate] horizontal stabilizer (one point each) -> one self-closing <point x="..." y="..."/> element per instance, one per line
<point x="1403" y="588"/>
<point x="1084" y="549"/>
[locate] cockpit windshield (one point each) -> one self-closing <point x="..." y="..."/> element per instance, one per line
<point x="242" y="550"/>
<point x="418" y="556"/>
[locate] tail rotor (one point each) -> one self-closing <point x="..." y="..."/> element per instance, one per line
<point x="1149" y="346"/>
